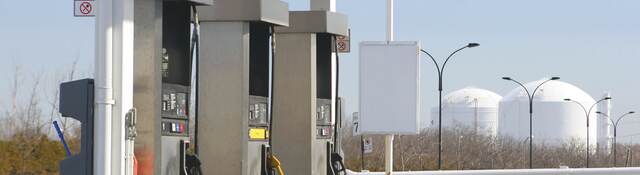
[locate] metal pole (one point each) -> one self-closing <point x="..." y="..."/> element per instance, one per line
<point x="615" y="134"/>
<point x="630" y="157"/>
<point x="440" y="123"/>
<point x="626" y="164"/>
<point x="388" y="154"/>
<point x="587" y="113"/>
<point x="388" y="139"/>
<point x="440" y="70"/>
<point x="530" y="132"/>
<point x="530" y="95"/>
<point x="362" y="153"/>
<point x="104" y="88"/>
<point x="389" y="20"/>
<point x="459" y="150"/>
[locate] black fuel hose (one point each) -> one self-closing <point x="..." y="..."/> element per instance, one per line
<point x="273" y="75"/>
<point x="195" y="58"/>
<point x="338" y="119"/>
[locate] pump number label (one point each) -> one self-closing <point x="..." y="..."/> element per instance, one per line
<point x="84" y="8"/>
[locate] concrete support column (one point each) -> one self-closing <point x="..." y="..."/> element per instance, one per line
<point x="147" y="84"/>
<point x="223" y="103"/>
<point x="294" y="112"/>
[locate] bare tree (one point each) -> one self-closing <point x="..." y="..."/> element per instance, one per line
<point x="463" y="148"/>
<point x="28" y="145"/>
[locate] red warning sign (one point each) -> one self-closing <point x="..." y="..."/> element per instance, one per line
<point x="344" y="43"/>
<point x="84" y="8"/>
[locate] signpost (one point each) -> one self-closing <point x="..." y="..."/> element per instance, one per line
<point x="368" y="145"/>
<point x="84" y="8"/>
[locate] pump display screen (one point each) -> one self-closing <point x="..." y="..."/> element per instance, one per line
<point x="258" y="114"/>
<point x="174" y="104"/>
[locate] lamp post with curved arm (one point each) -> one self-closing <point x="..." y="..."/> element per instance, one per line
<point x="587" y="114"/>
<point x="440" y="70"/>
<point x="530" y="96"/>
<point x="615" y="130"/>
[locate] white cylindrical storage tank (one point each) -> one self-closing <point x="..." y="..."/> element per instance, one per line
<point x="605" y="133"/>
<point x="470" y="107"/>
<point x="555" y="121"/>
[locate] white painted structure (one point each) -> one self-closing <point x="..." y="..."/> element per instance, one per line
<point x="555" y="121"/>
<point x="113" y="85"/>
<point x="605" y="127"/>
<point x="470" y="107"/>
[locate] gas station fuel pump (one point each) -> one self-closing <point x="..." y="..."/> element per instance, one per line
<point x="234" y="93"/>
<point x="306" y="91"/>
<point x="176" y="72"/>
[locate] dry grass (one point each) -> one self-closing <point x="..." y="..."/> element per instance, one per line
<point x="465" y="150"/>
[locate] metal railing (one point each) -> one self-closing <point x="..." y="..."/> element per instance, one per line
<point x="556" y="171"/>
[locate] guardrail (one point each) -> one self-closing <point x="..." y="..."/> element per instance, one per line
<point x="556" y="171"/>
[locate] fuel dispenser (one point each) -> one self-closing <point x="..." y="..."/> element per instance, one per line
<point x="176" y="85"/>
<point x="305" y="91"/>
<point x="164" y="52"/>
<point x="233" y="103"/>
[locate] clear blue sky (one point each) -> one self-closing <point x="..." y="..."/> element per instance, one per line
<point x="589" y="43"/>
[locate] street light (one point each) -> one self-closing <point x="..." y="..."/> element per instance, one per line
<point x="530" y="95"/>
<point x="440" y="70"/>
<point x="587" y="114"/>
<point x="615" y="131"/>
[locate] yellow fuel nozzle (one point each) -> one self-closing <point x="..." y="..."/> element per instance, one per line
<point x="275" y="164"/>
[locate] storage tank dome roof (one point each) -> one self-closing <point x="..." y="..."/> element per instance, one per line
<point x="472" y="97"/>
<point x="551" y="91"/>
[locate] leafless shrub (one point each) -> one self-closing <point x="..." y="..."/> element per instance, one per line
<point x="28" y="144"/>
<point x="464" y="149"/>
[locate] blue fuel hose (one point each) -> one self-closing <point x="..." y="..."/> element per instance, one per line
<point x="61" y="136"/>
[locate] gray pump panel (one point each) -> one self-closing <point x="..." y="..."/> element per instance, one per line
<point x="76" y="101"/>
<point x="303" y="92"/>
<point x="233" y="84"/>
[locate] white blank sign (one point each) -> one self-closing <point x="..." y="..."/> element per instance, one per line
<point x="389" y="87"/>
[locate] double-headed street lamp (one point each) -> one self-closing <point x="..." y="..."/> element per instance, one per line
<point x="615" y="130"/>
<point x="440" y="70"/>
<point x="587" y="114"/>
<point x="530" y="95"/>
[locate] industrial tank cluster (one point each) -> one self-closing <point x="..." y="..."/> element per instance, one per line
<point x="555" y="121"/>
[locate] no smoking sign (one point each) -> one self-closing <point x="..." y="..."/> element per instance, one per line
<point x="84" y="8"/>
<point x="344" y="43"/>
